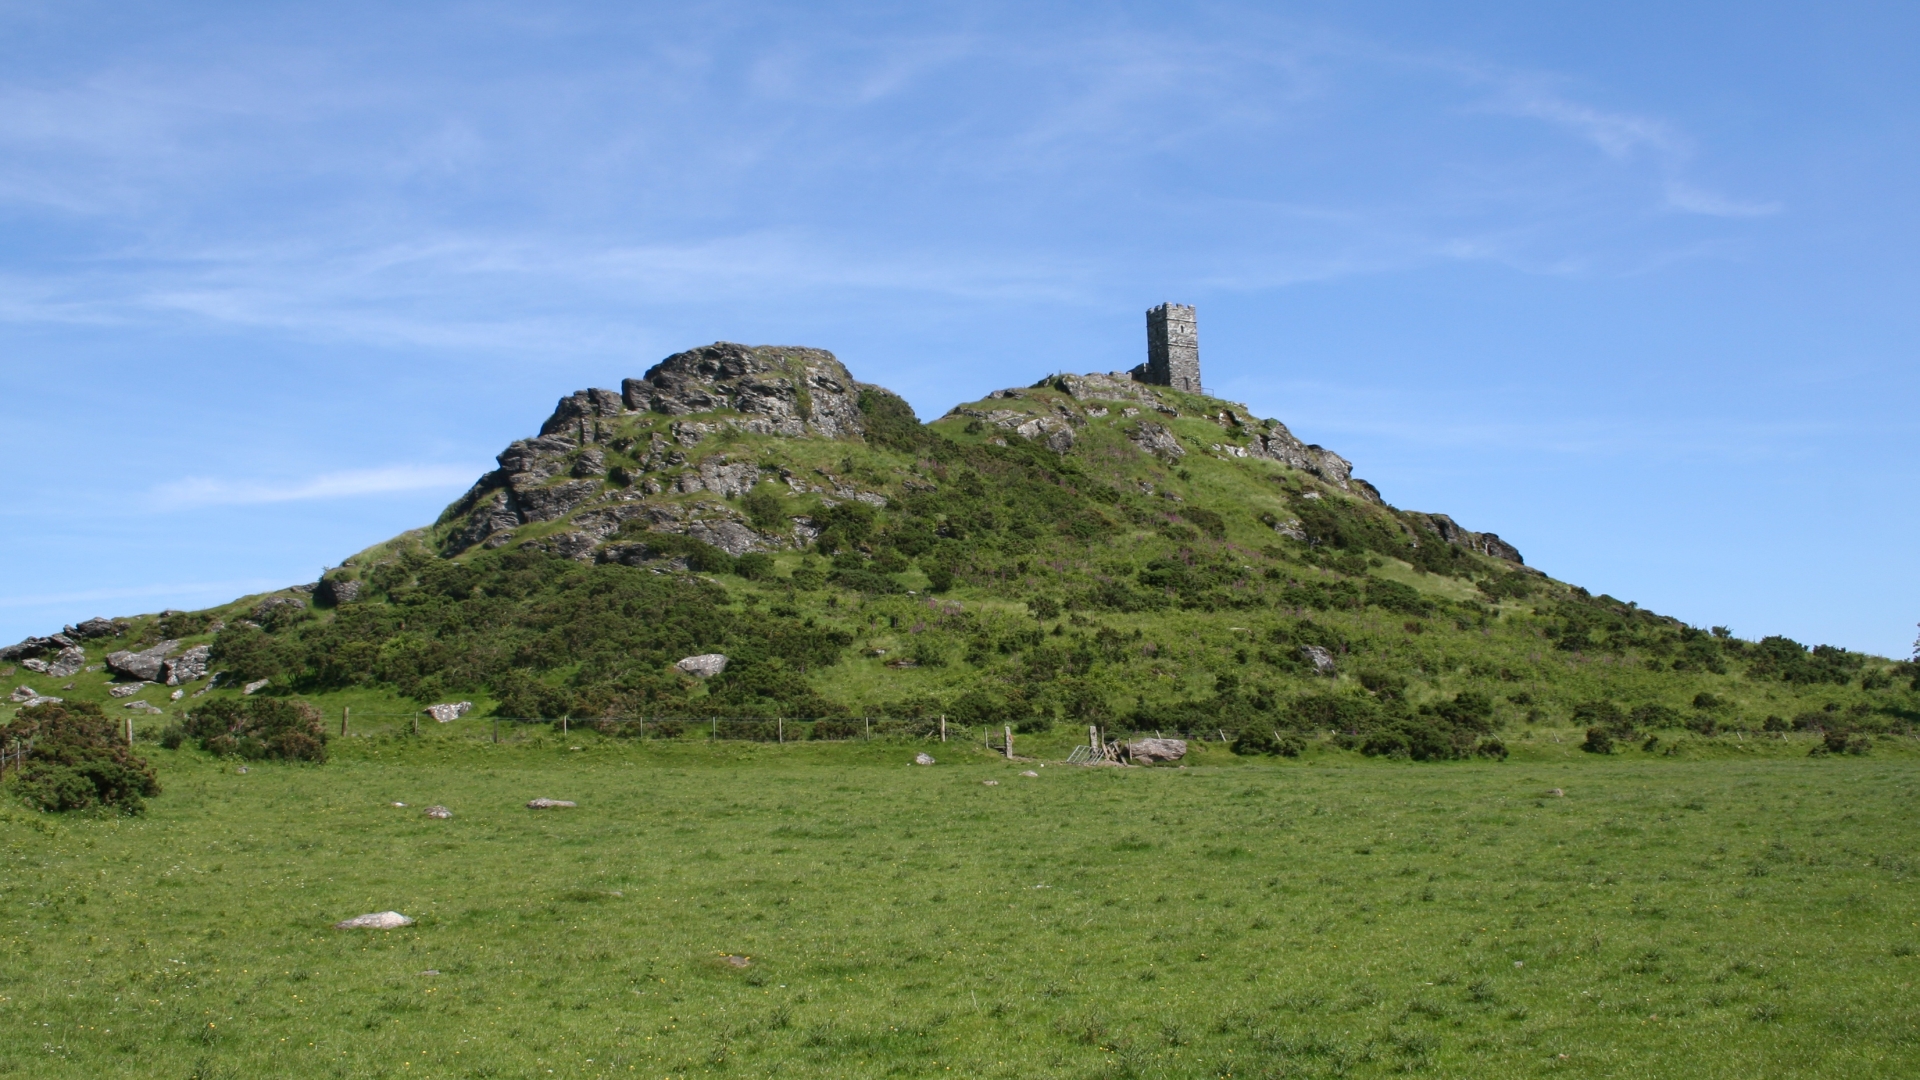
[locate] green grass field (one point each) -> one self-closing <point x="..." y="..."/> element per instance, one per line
<point x="1741" y="910"/>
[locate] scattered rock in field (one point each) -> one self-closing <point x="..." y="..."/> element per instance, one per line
<point x="255" y="686"/>
<point x="397" y="804"/>
<point x="706" y="665"/>
<point x="1153" y="750"/>
<point x="1156" y="440"/>
<point x="127" y="689"/>
<point x="143" y="706"/>
<point x="66" y="686"/>
<point x="176" y="695"/>
<point x="1320" y="658"/>
<point x="272" y="603"/>
<point x="449" y="712"/>
<point x="35" y="665"/>
<point x="1029" y="772"/>
<point x="186" y="667"/>
<point x="990" y="783"/>
<point x="923" y="758"/>
<point x="440" y="812"/>
<point x="27" y="696"/>
<point x="550" y="804"/>
<point x="1555" y="793"/>
<point x="379" y="920"/>
<point x="67" y="662"/>
<point x="430" y="972"/>
<point x="143" y="665"/>
<point x="737" y="961"/>
<point x="243" y="770"/>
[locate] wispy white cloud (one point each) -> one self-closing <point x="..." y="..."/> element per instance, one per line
<point x="1684" y="196"/>
<point x="209" y="491"/>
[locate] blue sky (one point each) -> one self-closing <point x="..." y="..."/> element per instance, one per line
<point x="1631" y="284"/>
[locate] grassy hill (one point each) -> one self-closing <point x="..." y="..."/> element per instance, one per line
<point x="1088" y="550"/>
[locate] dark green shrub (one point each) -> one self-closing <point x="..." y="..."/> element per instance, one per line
<point x="889" y="420"/>
<point x="78" y="761"/>
<point x="866" y="581"/>
<point x="939" y="579"/>
<point x="809" y="576"/>
<point x="1775" y="723"/>
<point x="1394" y="596"/>
<point x="1044" y="607"/>
<point x="1654" y="715"/>
<point x="259" y="727"/>
<point x="836" y="729"/>
<point x="754" y="566"/>
<point x="1599" y="740"/>
<point x="1704" y="700"/>
<point x="1258" y="739"/>
<point x="767" y="510"/>
<point x="888" y="561"/>
<point x="1492" y="748"/>
<point x="1206" y="521"/>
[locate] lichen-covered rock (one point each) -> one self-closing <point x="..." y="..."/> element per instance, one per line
<point x="67" y="661"/>
<point x="705" y="666"/>
<point x="272" y="604"/>
<point x="186" y="667"/>
<point x="447" y="713"/>
<point x="1320" y="658"/>
<point x="143" y="665"/>
<point x="776" y="382"/>
<point x="1151" y="751"/>
<point x="96" y="627"/>
<point x="1155" y="439"/>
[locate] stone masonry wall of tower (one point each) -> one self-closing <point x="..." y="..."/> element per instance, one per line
<point x="1173" y="348"/>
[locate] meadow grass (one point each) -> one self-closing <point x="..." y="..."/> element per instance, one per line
<point x="1726" y="915"/>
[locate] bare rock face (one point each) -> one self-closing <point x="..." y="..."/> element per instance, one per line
<point x="1444" y="527"/>
<point x="186" y="667"/>
<point x="271" y="604"/>
<point x="704" y="666"/>
<point x="1155" y="439"/>
<point x="449" y="712"/>
<point x="379" y="920"/>
<point x="778" y="383"/>
<point x="1153" y="751"/>
<point x="96" y="627"/>
<point x="144" y="665"/>
<point x="1321" y="659"/>
<point x="337" y="591"/>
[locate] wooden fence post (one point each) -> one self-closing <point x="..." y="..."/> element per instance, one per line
<point x="943" y="727"/>
<point x="129" y="732"/>
<point x="869" y="721"/>
<point x="563" y="725"/>
<point x="1006" y="733"/>
<point x="780" y="729"/>
<point x="716" y="730"/>
<point x="345" y="710"/>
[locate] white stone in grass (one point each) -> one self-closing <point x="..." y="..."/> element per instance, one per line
<point x="439" y="812"/>
<point x="449" y="712"/>
<point x="990" y="783"/>
<point x="255" y="686"/>
<point x="705" y="666"/>
<point x="1029" y="772"/>
<point x="378" y="920"/>
<point x="550" y="804"/>
<point x="923" y="758"/>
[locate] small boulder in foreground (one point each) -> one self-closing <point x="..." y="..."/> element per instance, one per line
<point x="550" y="804"/>
<point x="1149" y="751"/>
<point x="440" y="812"/>
<point x="379" y="920"/>
<point x="923" y="758"/>
<point x="447" y="713"/>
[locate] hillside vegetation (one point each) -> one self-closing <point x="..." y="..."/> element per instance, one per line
<point x="1087" y="550"/>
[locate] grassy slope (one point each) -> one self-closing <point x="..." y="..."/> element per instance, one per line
<point x="1710" y="918"/>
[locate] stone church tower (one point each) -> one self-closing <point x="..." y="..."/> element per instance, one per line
<point x="1173" y="349"/>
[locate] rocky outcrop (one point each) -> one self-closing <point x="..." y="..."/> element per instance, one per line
<point x="186" y="667"/>
<point x="1445" y="529"/>
<point x="1320" y="658"/>
<point x="1155" y="439"/>
<point x="96" y="628"/>
<point x="449" y="712"/>
<point x="336" y="591"/>
<point x="36" y="646"/>
<point x="144" y="665"/>
<point x="67" y="661"/>
<point x="274" y="604"/>
<point x="779" y="383"/>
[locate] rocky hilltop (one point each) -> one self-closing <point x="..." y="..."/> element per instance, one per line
<point x="606" y="458"/>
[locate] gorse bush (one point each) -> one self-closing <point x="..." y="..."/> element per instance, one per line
<point x="78" y="760"/>
<point x="257" y="728"/>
